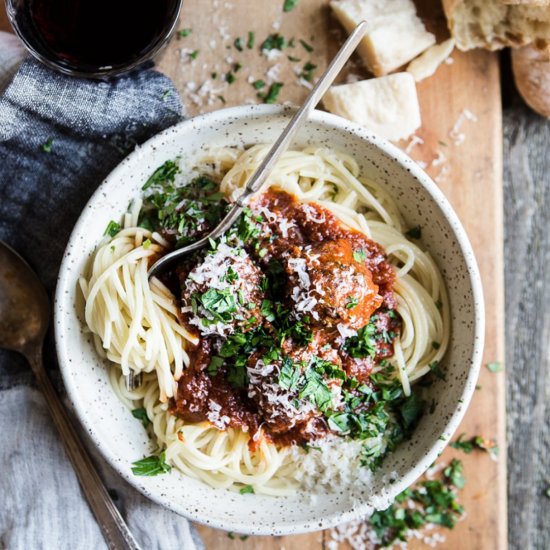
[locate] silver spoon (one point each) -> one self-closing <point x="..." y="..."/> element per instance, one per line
<point x="280" y="146"/>
<point x="24" y="319"/>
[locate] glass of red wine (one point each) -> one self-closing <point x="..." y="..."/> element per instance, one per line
<point x="93" y="38"/>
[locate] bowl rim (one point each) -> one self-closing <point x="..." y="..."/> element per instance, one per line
<point x="66" y="278"/>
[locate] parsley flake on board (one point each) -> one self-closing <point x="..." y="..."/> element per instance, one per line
<point x="274" y="42"/>
<point x="194" y="54"/>
<point x="141" y="414"/>
<point x="251" y="40"/>
<point x="306" y="46"/>
<point x="289" y="5"/>
<point x="184" y="32"/>
<point x="428" y="502"/>
<point x="151" y="466"/>
<point x="476" y="442"/>
<point x="273" y="93"/>
<point x="258" y="84"/>
<point x="239" y="44"/>
<point x="307" y="71"/>
<point x="495" y="366"/>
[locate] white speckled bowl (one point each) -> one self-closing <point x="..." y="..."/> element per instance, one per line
<point x="122" y="440"/>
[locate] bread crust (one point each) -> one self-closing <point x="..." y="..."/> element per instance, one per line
<point x="471" y="25"/>
<point x="531" y="69"/>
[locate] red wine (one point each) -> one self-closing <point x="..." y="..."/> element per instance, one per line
<point x="95" y="34"/>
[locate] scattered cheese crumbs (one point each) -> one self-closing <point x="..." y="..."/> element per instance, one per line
<point x="455" y="134"/>
<point x="442" y="176"/>
<point x="415" y="140"/>
<point x="388" y="106"/>
<point x="427" y="63"/>
<point x="220" y="421"/>
<point x="440" y="159"/>
<point x="345" y="472"/>
<point x="395" y="35"/>
<point x="449" y="61"/>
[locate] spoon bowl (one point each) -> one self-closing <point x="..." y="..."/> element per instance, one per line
<point x="24" y="304"/>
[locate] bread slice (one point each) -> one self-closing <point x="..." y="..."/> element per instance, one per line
<point x="395" y="35"/>
<point x="388" y="106"/>
<point x="494" y="24"/>
<point x="427" y="63"/>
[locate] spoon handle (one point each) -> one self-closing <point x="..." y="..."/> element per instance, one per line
<point x="114" y="529"/>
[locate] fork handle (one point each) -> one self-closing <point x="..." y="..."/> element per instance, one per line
<point x="115" y="531"/>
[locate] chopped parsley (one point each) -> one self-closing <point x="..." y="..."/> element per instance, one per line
<point x="239" y="44"/>
<point x="306" y="46"/>
<point x="307" y="71"/>
<point x="163" y="174"/>
<point x="182" y="213"/>
<point x="194" y="54"/>
<point x="432" y="501"/>
<point x="247" y="489"/>
<point x="414" y="233"/>
<point x="495" y="366"/>
<point x="151" y="466"/>
<point x="112" y="228"/>
<point x="453" y="473"/>
<point x="289" y="5"/>
<point x="219" y="303"/>
<point x="436" y="369"/>
<point x="251" y="40"/>
<point x="47" y="145"/>
<point x="476" y="442"/>
<point x="258" y="84"/>
<point x="273" y="93"/>
<point x="359" y="255"/>
<point x="141" y="414"/>
<point x="352" y="302"/>
<point x="229" y="77"/>
<point x="364" y="344"/>
<point x="293" y="59"/>
<point x="184" y="32"/>
<point x="274" y="42"/>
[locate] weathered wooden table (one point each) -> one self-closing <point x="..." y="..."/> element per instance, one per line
<point x="470" y="175"/>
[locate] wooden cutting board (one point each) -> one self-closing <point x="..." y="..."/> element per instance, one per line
<point x="469" y="173"/>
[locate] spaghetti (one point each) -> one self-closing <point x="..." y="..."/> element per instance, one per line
<point x="138" y="326"/>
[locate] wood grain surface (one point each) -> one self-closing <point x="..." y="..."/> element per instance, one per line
<point x="527" y="257"/>
<point x="470" y="174"/>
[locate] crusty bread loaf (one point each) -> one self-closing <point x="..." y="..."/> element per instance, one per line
<point x="527" y="2"/>
<point x="395" y="35"/>
<point x="388" y="106"/>
<point x="532" y="76"/>
<point x="494" y="24"/>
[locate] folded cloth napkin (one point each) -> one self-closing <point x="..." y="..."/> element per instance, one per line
<point x="59" y="137"/>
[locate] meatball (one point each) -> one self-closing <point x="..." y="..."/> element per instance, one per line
<point x="223" y="293"/>
<point x="328" y="284"/>
<point x="275" y="388"/>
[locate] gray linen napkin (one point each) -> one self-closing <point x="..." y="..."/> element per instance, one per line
<point x="59" y="137"/>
